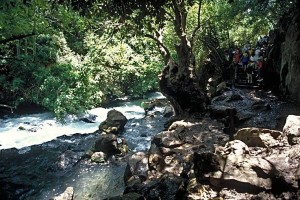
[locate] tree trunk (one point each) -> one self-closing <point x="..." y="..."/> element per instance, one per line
<point x="178" y="81"/>
<point x="180" y="85"/>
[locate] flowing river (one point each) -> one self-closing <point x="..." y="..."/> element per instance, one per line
<point x="40" y="157"/>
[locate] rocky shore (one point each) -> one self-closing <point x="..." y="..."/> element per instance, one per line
<point x="194" y="159"/>
<point x="246" y="146"/>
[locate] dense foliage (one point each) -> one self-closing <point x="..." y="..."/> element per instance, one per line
<point x="70" y="56"/>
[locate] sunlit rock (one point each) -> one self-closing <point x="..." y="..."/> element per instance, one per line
<point x="68" y="194"/>
<point x="98" y="157"/>
<point x="258" y="137"/>
<point x="234" y="168"/>
<point x="292" y="129"/>
<point x="155" y="159"/>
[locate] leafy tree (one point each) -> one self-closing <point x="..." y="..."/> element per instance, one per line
<point x="178" y="81"/>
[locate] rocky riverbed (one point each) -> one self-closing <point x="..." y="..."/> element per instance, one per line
<point x="194" y="159"/>
<point x="191" y="159"/>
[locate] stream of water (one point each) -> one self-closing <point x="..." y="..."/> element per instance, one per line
<point x="33" y="144"/>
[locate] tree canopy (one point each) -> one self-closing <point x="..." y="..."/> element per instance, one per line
<point x="73" y="55"/>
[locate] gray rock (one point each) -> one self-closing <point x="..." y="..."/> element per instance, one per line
<point x="260" y="106"/>
<point x="66" y="161"/>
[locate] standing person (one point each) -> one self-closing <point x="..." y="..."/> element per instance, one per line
<point x="250" y="71"/>
<point x="245" y="60"/>
<point x="237" y="57"/>
<point x="250" y="51"/>
<point x="259" y="67"/>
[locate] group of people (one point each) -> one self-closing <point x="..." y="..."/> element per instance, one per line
<point x="249" y="59"/>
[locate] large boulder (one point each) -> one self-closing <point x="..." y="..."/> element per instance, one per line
<point x="292" y="129"/>
<point x="234" y="168"/>
<point x="110" y="145"/>
<point x="258" y="137"/>
<point x="283" y="64"/>
<point x="137" y="165"/>
<point x="114" y="122"/>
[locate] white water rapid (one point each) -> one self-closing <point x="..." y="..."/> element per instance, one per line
<point x="27" y="130"/>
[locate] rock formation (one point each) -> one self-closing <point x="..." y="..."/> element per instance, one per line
<point x="283" y="65"/>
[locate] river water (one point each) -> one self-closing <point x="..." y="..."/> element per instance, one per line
<point x="40" y="157"/>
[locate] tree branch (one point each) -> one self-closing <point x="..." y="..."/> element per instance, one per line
<point x="177" y="21"/>
<point x="198" y="23"/>
<point x="7" y="106"/>
<point x="16" y="37"/>
<point x="164" y="51"/>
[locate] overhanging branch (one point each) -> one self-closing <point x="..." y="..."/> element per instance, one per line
<point x="164" y="51"/>
<point x="16" y="37"/>
<point x="198" y="23"/>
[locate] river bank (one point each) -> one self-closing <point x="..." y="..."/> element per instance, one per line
<point x="162" y="160"/>
<point x="194" y="159"/>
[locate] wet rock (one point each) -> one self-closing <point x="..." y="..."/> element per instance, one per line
<point x="243" y="116"/>
<point x="292" y="129"/>
<point x="109" y="145"/>
<point x="261" y="106"/>
<point x="137" y="165"/>
<point x="89" y="119"/>
<point x="66" y="161"/>
<point x="155" y="160"/>
<point x="258" y="137"/>
<point x="114" y="122"/>
<point x="21" y="128"/>
<point x="234" y="97"/>
<point x="68" y="194"/>
<point x="98" y="157"/>
<point x="219" y="111"/>
<point x="168" y="112"/>
<point x="148" y="105"/>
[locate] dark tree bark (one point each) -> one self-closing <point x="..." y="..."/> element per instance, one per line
<point x="178" y="81"/>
